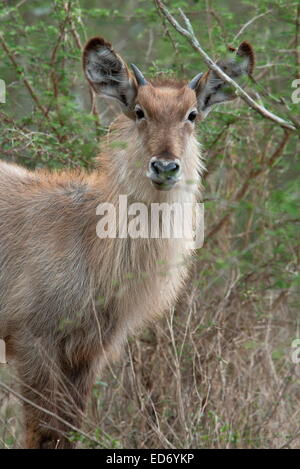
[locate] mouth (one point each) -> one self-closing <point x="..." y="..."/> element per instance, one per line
<point x="163" y="185"/>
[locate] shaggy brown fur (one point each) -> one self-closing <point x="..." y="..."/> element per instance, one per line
<point x="69" y="299"/>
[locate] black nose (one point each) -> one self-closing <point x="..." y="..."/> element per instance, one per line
<point x="165" y="169"/>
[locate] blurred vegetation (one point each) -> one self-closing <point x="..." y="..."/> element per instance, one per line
<point x="217" y="372"/>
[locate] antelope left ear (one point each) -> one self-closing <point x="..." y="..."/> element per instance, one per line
<point x="108" y="74"/>
<point x="211" y="90"/>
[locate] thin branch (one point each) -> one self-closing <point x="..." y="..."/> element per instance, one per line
<point x="187" y="22"/>
<point x="279" y="57"/>
<point x="167" y="32"/>
<point x="253" y="174"/>
<point x="150" y="45"/>
<point x="209" y="23"/>
<point x="27" y="84"/>
<point x="56" y="48"/>
<point x="77" y="40"/>
<point x="238" y="90"/>
<point x="249" y="23"/>
<point x="220" y="23"/>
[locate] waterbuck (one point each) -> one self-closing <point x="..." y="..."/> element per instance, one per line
<point x="69" y="297"/>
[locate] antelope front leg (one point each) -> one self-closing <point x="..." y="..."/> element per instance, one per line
<point x="58" y="396"/>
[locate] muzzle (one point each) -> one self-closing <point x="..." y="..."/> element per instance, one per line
<point x="163" y="173"/>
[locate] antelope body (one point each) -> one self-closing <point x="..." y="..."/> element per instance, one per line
<point x="69" y="299"/>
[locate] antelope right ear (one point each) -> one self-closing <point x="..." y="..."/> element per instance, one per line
<point x="108" y="74"/>
<point x="211" y="90"/>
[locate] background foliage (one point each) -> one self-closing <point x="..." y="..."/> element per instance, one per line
<point x="217" y="371"/>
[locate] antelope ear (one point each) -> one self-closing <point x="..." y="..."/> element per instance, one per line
<point x="107" y="73"/>
<point x="212" y="90"/>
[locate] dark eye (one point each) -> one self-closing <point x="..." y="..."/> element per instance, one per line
<point x="192" y="116"/>
<point x="139" y="113"/>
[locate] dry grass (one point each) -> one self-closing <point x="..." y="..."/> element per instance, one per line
<point x="214" y="374"/>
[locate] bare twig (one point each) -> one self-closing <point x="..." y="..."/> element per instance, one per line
<point x="251" y="176"/>
<point x="238" y="90"/>
<point x="56" y="48"/>
<point x="219" y="21"/>
<point x="209" y="23"/>
<point x="280" y="57"/>
<point x="27" y="84"/>
<point x="77" y="40"/>
<point x="249" y="23"/>
<point x="150" y="45"/>
<point x="167" y="32"/>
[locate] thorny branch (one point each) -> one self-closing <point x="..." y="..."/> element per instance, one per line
<point x="77" y="40"/>
<point x="190" y="35"/>
<point x="27" y="84"/>
<point x="252" y="175"/>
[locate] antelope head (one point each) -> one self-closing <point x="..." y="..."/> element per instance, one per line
<point x="161" y="113"/>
